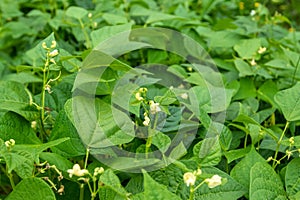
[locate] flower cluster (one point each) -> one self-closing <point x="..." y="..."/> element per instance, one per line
<point x="10" y="143"/>
<point x="190" y="178"/>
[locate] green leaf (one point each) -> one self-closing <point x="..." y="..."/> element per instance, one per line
<point x="32" y="188"/>
<point x="36" y="149"/>
<point x="55" y="159"/>
<point x="35" y="56"/>
<point x="104" y="127"/>
<point x="76" y="12"/>
<point x="211" y="99"/>
<point x="19" y="161"/>
<point x="236" y="154"/>
<point x="289" y="102"/>
<point x="208" y="151"/>
<point x="64" y="128"/>
<point x="241" y="171"/>
<point x="264" y="182"/>
<point x="22" y="77"/>
<point x="292" y="177"/>
<point x="225" y="138"/>
<point x="14" y="97"/>
<point x="229" y="39"/>
<point x="231" y="190"/>
<point x="153" y="16"/>
<point x="267" y="92"/>
<point x="156" y="191"/>
<point x="172" y="177"/>
<point x="243" y="67"/>
<point x="114" y="19"/>
<point x="107" y="32"/>
<point x="112" y="181"/>
<point x="13" y="126"/>
<point x="247" y="48"/>
<point x="247" y="89"/>
<point x="161" y="141"/>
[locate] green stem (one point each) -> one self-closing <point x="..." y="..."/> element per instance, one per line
<point x="9" y="175"/>
<point x="81" y="196"/>
<point x="149" y="139"/>
<point x="279" y="143"/>
<point x="86" y="157"/>
<point x="11" y="180"/>
<point x="87" y="38"/>
<point x="192" y="192"/>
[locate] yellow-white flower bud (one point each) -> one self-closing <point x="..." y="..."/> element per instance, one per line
<point x="53" y="44"/>
<point x="44" y="45"/>
<point x="261" y="50"/>
<point x="53" y="53"/>
<point x="138" y="97"/>
<point x="146" y="122"/>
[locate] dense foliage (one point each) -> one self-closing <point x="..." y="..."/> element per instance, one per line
<point x="231" y="132"/>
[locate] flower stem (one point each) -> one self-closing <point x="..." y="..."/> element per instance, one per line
<point x="192" y="193"/>
<point x="279" y="143"/>
<point x="9" y="175"/>
<point x="81" y="197"/>
<point x="86" y="157"/>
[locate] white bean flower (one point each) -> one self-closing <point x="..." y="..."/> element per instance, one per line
<point x="214" y="181"/>
<point x="154" y="107"/>
<point x="189" y="178"/>
<point x="77" y="171"/>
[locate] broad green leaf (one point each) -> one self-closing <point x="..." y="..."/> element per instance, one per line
<point x="161" y="141"/>
<point x="22" y="77"/>
<point x="243" y="67"/>
<point x="98" y="123"/>
<point x="112" y="181"/>
<point x="35" y="56"/>
<point x="229" y="39"/>
<point x="13" y="126"/>
<point x="14" y="97"/>
<point x="279" y="64"/>
<point x="172" y="177"/>
<point x="247" y="89"/>
<point x="231" y="190"/>
<point x="292" y="177"/>
<point x="289" y="102"/>
<point x="19" y="161"/>
<point x="32" y="188"/>
<point x="236" y="154"/>
<point x="106" y="32"/>
<point x="208" y="151"/>
<point x="173" y="121"/>
<point x="211" y="99"/>
<point x="267" y="92"/>
<point x="55" y="159"/>
<point x="156" y="191"/>
<point x="264" y="182"/>
<point x="153" y="16"/>
<point x="254" y="131"/>
<point x="247" y="48"/>
<point x="36" y="149"/>
<point x="64" y="128"/>
<point x="178" y="71"/>
<point x="114" y="19"/>
<point x="76" y="12"/>
<point x="241" y="171"/>
<point x="225" y="138"/>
